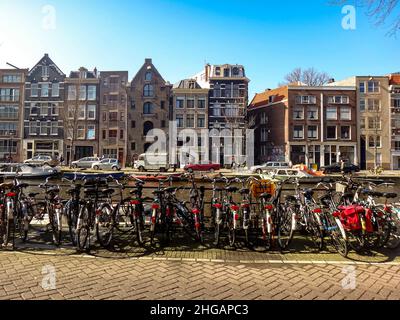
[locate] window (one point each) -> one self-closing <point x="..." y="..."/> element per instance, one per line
<point x="179" y="121"/>
<point x="43" y="128"/>
<point x="6" y="146"/>
<point x="34" y="90"/>
<point x="12" y="78"/>
<point x="226" y="72"/>
<point x="374" y="123"/>
<point x="148" y="90"/>
<point x="362" y="105"/>
<point x="82" y="112"/>
<point x="190" y="121"/>
<point x="263" y="118"/>
<point x="162" y="123"/>
<point x="201" y="121"/>
<point x="306" y="99"/>
<point x="298" y="113"/>
<point x="345" y="113"/>
<point x="7" y="129"/>
<point x="55" y="89"/>
<point x="374" y="105"/>
<point x="298" y="132"/>
<point x="147" y="127"/>
<point x="91" y="132"/>
<point x="395" y="103"/>
<point x="133" y="146"/>
<point x="121" y="134"/>
<point x="331" y="132"/>
<point x="362" y="123"/>
<point x="71" y="112"/>
<point x="54" y="109"/>
<point x="201" y="103"/>
<point x="162" y="105"/>
<point x="45" y="71"/>
<point x="9" y="94"/>
<point x="82" y="93"/>
<point x="71" y="93"/>
<point x="148" y="108"/>
<point x="91" y="93"/>
<point x="373" y="86"/>
<point x="148" y="76"/>
<point x="312" y="132"/>
<point x="104" y="134"/>
<point x="217" y="71"/>
<point x="371" y="141"/>
<point x="312" y="113"/>
<point x="216" y="111"/>
<point x="133" y="124"/>
<point x="8" y="112"/>
<point x="180" y="103"/>
<point x="91" y="112"/>
<point x="190" y="103"/>
<point x="264" y="135"/>
<point x="44" y="109"/>
<point x="113" y="116"/>
<point x="345" y="132"/>
<point x="338" y="99"/>
<point x="362" y="87"/>
<point x="331" y="113"/>
<point x="80" y="132"/>
<point x="54" y="128"/>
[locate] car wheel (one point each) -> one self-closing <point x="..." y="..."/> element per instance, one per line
<point x="259" y="171"/>
<point x="141" y="169"/>
<point x="75" y="166"/>
<point x="114" y="168"/>
<point x="96" y="168"/>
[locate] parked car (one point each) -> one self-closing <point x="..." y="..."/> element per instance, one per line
<point x="42" y="160"/>
<point x="269" y="166"/>
<point x="337" y="167"/>
<point x="107" y="164"/>
<point x="152" y="161"/>
<point x="85" y="162"/>
<point x="202" y="167"/>
<point x="283" y="174"/>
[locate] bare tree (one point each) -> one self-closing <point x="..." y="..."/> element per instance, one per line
<point x="381" y="12"/>
<point x="310" y="77"/>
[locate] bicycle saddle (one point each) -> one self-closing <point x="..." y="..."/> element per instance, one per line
<point x="390" y="195"/>
<point x="266" y="196"/>
<point x="232" y="189"/>
<point x="218" y="189"/>
<point x="244" y="191"/>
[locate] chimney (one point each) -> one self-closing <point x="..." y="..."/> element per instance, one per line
<point x="148" y="61"/>
<point x="331" y="80"/>
<point x="95" y="72"/>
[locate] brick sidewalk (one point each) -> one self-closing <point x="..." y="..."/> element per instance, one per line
<point x="100" y="278"/>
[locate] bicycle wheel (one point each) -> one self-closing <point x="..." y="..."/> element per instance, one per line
<point x="7" y="228"/>
<point x="355" y="239"/>
<point x="337" y="239"/>
<point x="384" y="226"/>
<point x="55" y="223"/>
<point x="231" y="229"/>
<point x="266" y="236"/>
<point x="217" y="221"/>
<point x="139" y="225"/>
<point x="83" y="229"/>
<point x="153" y="225"/>
<point x="24" y="217"/>
<point x="104" y="224"/>
<point x="123" y="220"/>
<point x="316" y="230"/>
<point x="72" y="214"/>
<point x="394" y="238"/>
<point x="286" y="217"/>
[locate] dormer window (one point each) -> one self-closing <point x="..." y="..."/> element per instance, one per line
<point x="45" y="71"/>
<point x="83" y="74"/>
<point x="226" y="73"/>
<point x="235" y="71"/>
<point x="217" y="71"/>
<point x="148" y="76"/>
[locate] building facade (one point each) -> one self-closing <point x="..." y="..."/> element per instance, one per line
<point x="228" y="101"/>
<point x="113" y="115"/>
<point x="190" y="111"/>
<point x="148" y="108"/>
<point x="81" y="118"/>
<point x="306" y="125"/>
<point x="44" y="110"/>
<point x="394" y="91"/>
<point x="12" y="83"/>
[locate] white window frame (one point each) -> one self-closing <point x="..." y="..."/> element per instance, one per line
<point x="55" y="89"/>
<point x="302" y="132"/>
<point x="347" y="113"/>
<point x="308" y="132"/>
<point x="349" y="138"/>
<point x="336" y="133"/>
<point x="35" y="86"/>
<point x="80" y="108"/>
<point x="42" y="86"/>
<point x="54" y="125"/>
<point x="91" y="93"/>
<point x="91" y="126"/>
<point x="327" y="113"/>
<point x="90" y="106"/>
<point x="44" y="126"/>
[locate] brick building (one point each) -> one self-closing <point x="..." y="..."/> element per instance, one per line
<point x="305" y="125"/>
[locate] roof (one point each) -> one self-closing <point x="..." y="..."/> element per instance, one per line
<point x="261" y="99"/>
<point x="184" y="84"/>
<point x="50" y="63"/>
<point x="394" y="79"/>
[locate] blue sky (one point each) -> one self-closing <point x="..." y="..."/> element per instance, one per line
<point x="269" y="38"/>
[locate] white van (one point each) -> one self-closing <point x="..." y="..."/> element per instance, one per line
<point x="152" y="161"/>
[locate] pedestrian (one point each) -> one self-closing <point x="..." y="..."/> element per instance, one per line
<point x="61" y="160"/>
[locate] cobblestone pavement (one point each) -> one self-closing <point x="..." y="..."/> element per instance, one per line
<point x="22" y="276"/>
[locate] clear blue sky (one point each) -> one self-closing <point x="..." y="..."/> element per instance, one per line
<point x="269" y="37"/>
